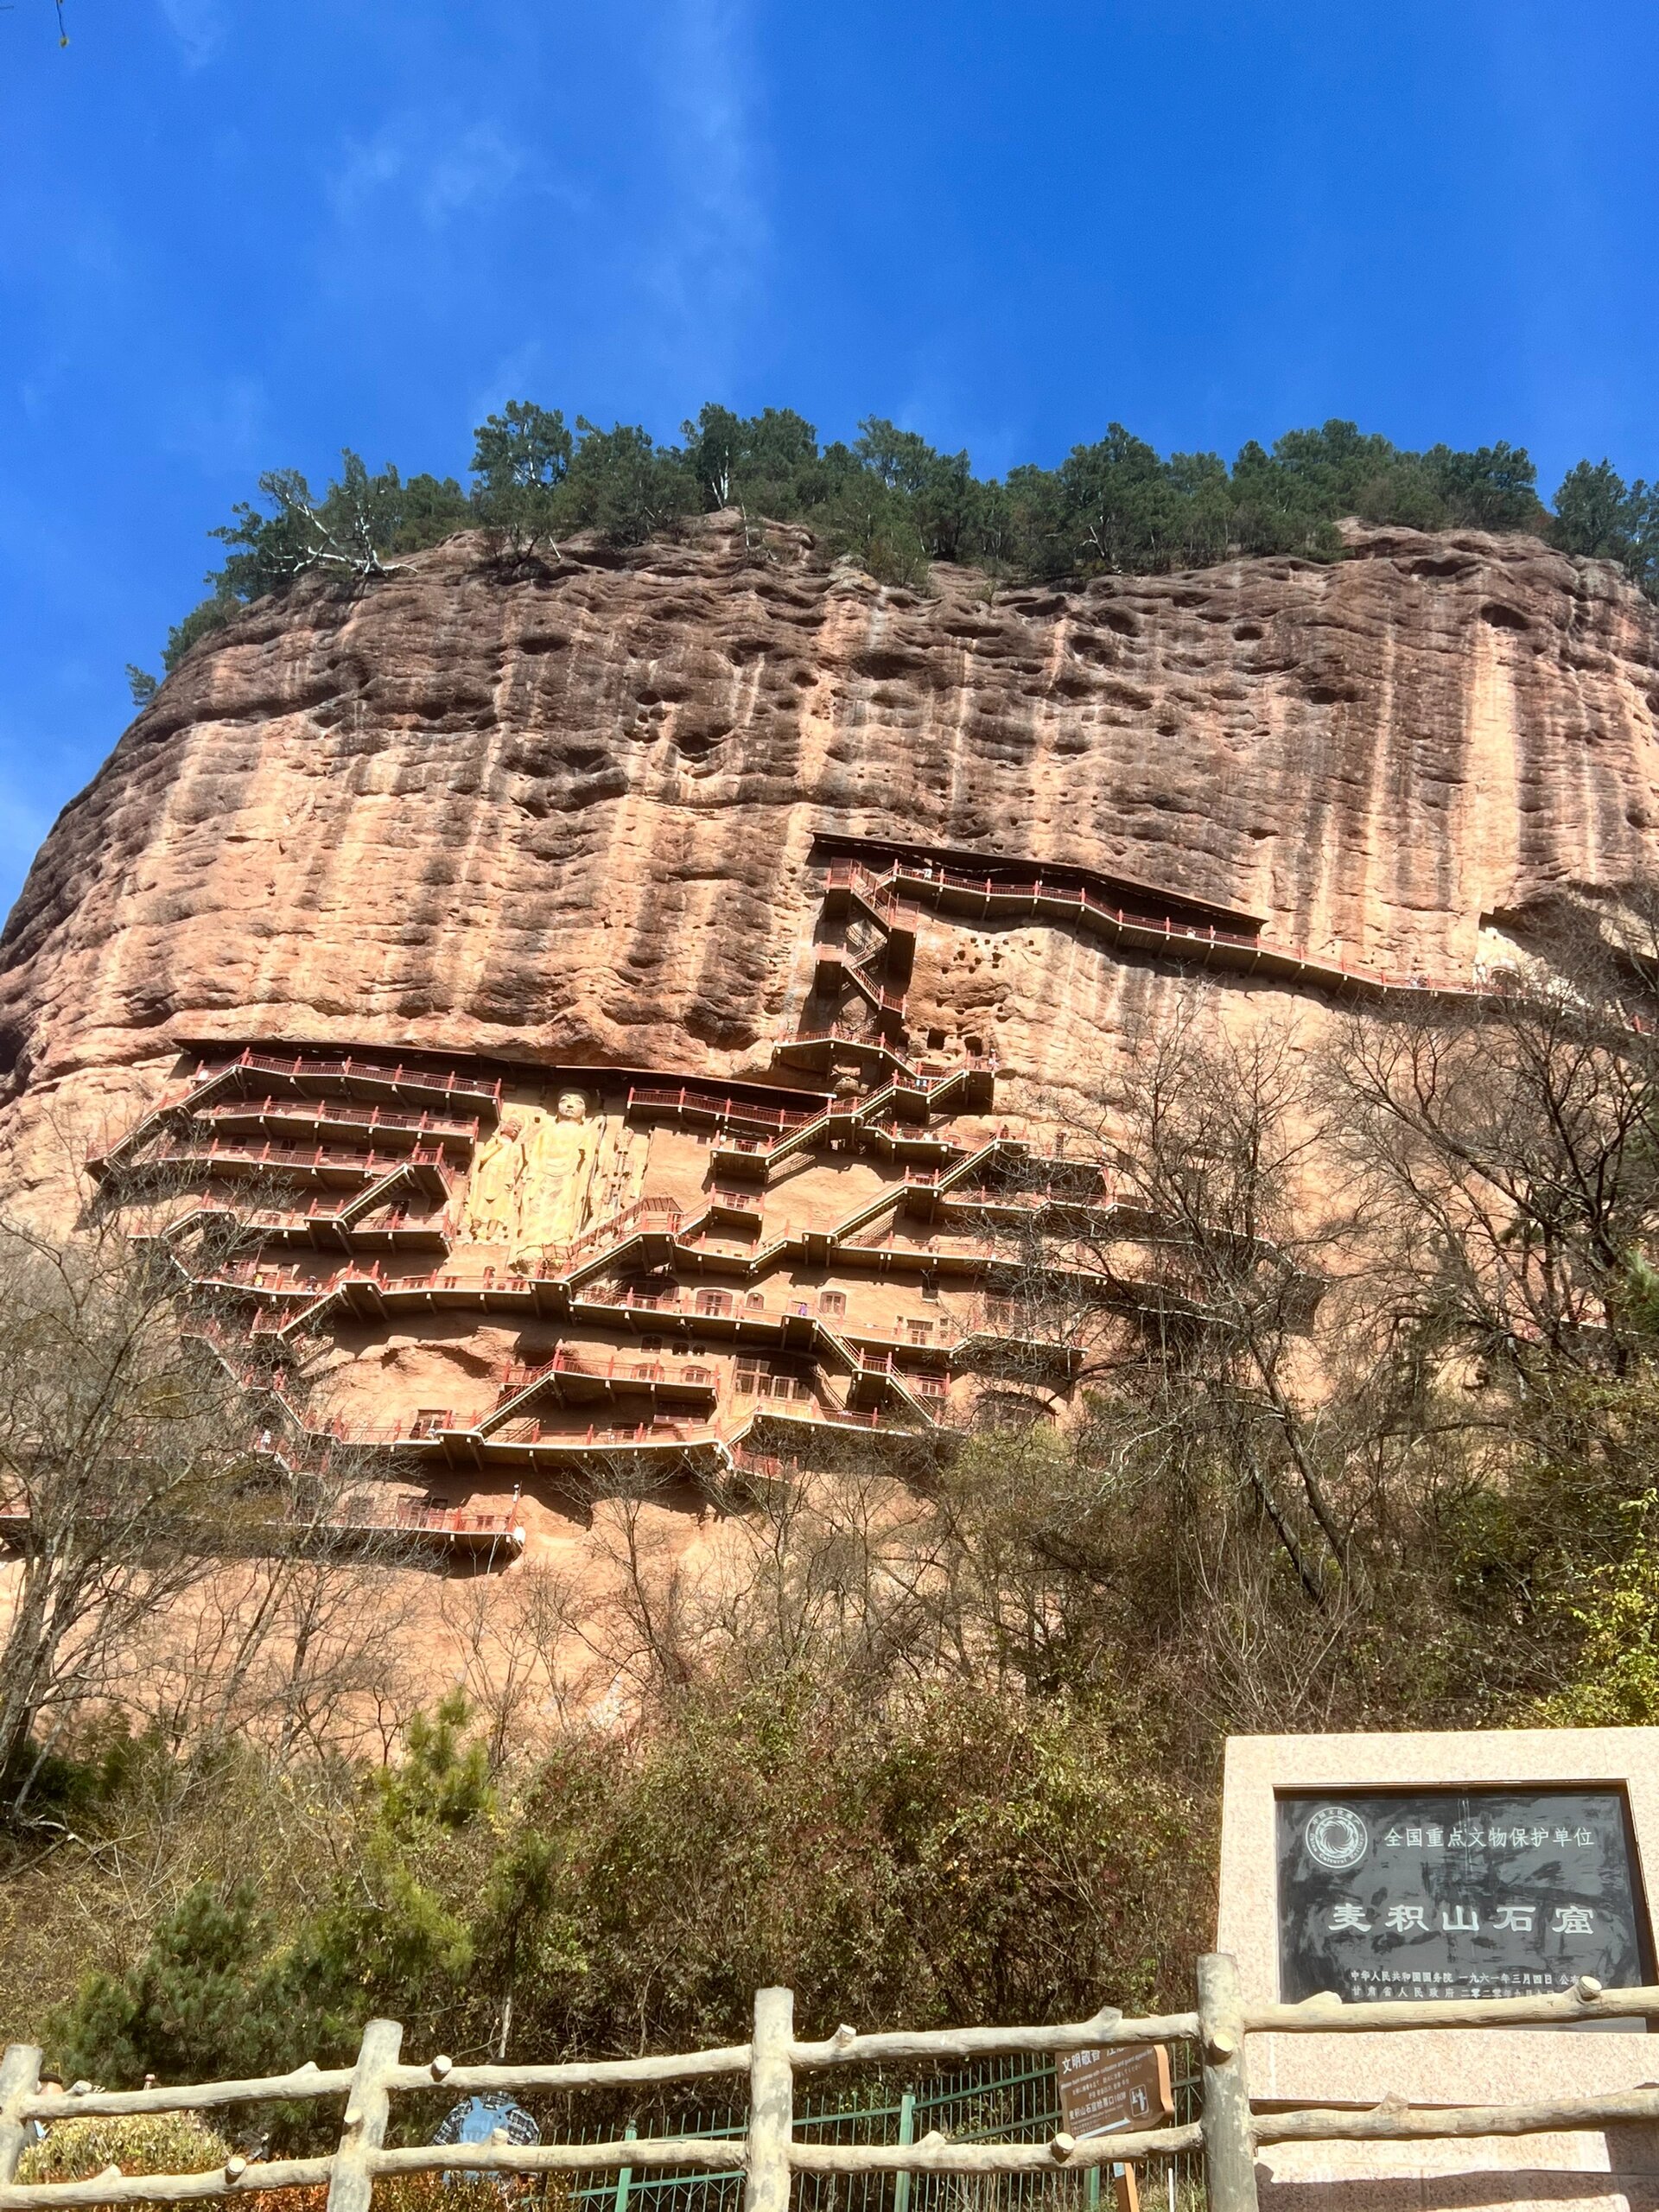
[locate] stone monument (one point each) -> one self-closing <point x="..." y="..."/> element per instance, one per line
<point x="1477" y="1863"/>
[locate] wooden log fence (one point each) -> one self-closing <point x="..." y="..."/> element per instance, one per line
<point x="771" y="2153"/>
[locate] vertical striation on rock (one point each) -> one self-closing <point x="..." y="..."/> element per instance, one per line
<point x="663" y="859"/>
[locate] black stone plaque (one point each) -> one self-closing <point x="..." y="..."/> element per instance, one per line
<point x="1431" y="1893"/>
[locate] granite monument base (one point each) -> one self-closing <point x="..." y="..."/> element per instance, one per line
<point x="1615" y="2172"/>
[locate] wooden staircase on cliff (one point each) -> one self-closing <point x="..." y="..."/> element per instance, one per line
<point x="379" y="1147"/>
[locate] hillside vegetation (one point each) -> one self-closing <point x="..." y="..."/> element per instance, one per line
<point x="893" y="503"/>
<point x="940" y="1752"/>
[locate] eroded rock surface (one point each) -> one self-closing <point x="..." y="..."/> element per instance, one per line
<point x="565" y="815"/>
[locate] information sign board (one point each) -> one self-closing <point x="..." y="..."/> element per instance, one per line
<point x="1439" y="1893"/>
<point x="1123" y="2085"/>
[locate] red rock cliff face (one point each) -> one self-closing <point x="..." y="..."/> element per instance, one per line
<point x="567" y="816"/>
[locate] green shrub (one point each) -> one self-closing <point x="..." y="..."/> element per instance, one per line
<point x="426" y="2193"/>
<point x="142" y="2143"/>
<point x="1616" y="1610"/>
<point x="183" y="2142"/>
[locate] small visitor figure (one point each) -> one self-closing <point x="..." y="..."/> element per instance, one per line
<point x="49" y="2085"/>
<point x="481" y="2120"/>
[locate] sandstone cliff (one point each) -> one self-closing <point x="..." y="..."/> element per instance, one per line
<point x="565" y="815"/>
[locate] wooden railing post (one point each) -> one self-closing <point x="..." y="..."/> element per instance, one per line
<point x="1229" y="2144"/>
<point x="19" y="2077"/>
<point x="366" y="2107"/>
<point x="771" y="2103"/>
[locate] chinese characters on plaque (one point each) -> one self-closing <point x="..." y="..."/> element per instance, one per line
<point x="1472" y="1893"/>
<point x="1125" y="2085"/>
<point x="1121" y="2085"/>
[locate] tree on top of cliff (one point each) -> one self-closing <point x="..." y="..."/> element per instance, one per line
<point x="520" y="459"/>
<point x="1599" y="515"/>
<point x="1494" y="488"/>
<point x="360" y="520"/>
<point x="624" y="485"/>
<point x="762" y="461"/>
<point x="893" y="503"/>
<point x="345" y="533"/>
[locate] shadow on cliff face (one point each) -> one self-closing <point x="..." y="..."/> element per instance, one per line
<point x="13" y="1054"/>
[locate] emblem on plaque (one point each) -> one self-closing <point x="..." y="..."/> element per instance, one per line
<point x="1337" y="1838"/>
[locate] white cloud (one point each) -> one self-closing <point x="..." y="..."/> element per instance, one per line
<point x="219" y="423"/>
<point x="510" y="377"/>
<point x="365" y="169"/>
<point x="199" y="27"/>
<point x="707" y="266"/>
<point x="430" y="161"/>
<point x="473" y="171"/>
<point x="945" y="407"/>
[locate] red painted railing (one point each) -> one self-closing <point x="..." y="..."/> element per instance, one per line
<point x="517" y="1376"/>
<point x="344" y="1065"/>
<point x="342" y="1109"/>
<point x="446" y="1519"/>
<point x="656" y="1213"/>
<point x="873" y="888"/>
<point x="719" y="1103"/>
<point x="371" y="1165"/>
<point x="408" y="1516"/>
<point x="839" y="1032"/>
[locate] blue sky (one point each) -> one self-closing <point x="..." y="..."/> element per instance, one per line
<point x="238" y="234"/>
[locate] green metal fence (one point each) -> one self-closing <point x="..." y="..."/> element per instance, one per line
<point x="1011" y="2099"/>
